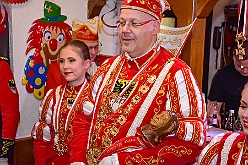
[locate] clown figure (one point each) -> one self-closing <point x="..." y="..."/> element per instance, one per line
<point x="47" y="36"/>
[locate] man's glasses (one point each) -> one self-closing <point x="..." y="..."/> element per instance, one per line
<point x="97" y="47"/>
<point x="132" y="24"/>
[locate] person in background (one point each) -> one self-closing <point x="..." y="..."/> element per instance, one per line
<point x="229" y="148"/>
<point x="228" y="82"/>
<point x="129" y="90"/>
<point x="88" y="33"/>
<point x="52" y="133"/>
<point x="9" y="108"/>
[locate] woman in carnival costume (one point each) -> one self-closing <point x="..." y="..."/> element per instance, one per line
<point x="52" y="133"/>
<point x="229" y="148"/>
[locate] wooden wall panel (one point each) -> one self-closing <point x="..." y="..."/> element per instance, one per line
<point x="23" y="152"/>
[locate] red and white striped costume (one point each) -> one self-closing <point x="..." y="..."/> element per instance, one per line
<point x="154" y="82"/>
<point x="225" y="149"/>
<point x="52" y="133"/>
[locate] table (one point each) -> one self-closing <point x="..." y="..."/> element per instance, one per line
<point x="212" y="132"/>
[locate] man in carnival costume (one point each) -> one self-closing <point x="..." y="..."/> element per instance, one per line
<point x="9" y="98"/>
<point x="9" y="108"/>
<point x="129" y="92"/>
<point x="88" y="33"/>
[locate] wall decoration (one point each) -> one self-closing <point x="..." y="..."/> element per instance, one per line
<point x="14" y="1"/>
<point x="174" y="38"/>
<point x="47" y="36"/>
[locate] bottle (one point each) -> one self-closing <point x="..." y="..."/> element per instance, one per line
<point x="237" y="127"/>
<point x="225" y="118"/>
<point x="230" y="122"/>
<point x="215" y="111"/>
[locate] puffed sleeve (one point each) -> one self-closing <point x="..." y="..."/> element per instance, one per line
<point x="42" y="130"/>
<point x="185" y="99"/>
<point x="209" y="155"/>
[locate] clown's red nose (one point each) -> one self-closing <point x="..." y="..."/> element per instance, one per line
<point x="53" y="44"/>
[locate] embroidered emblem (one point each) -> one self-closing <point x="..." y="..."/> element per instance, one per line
<point x="12" y="85"/>
<point x="121" y="84"/>
<point x="70" y="102"/>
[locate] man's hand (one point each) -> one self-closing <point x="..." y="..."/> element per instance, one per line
<point x="210" y="112"/>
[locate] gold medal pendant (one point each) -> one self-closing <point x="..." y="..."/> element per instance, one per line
<point x="60" y="147"/>
<point x="92" y="155"/>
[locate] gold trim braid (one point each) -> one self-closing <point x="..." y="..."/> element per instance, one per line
<point x="4" y="58"/>
<point x="6" y="147"/>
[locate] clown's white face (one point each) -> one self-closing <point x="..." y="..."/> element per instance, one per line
<point x="53" y="39"/>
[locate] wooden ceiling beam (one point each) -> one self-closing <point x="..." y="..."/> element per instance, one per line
<point x="95" y="7"/>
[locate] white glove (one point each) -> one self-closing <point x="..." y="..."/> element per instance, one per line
<point x="110" y="160"/>
<point x="4" y="161"/>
